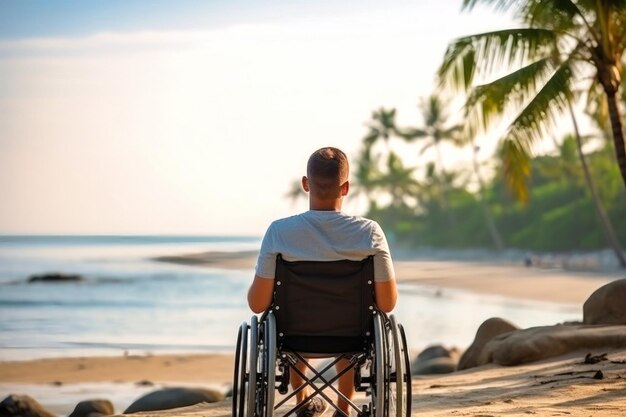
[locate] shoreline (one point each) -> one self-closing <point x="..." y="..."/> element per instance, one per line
<point x="505" y="279"/>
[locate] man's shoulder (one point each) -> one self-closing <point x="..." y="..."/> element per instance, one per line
<point x="308" y="216"/>
<point x="363" y="221"/>
<point x="287" y="221"/>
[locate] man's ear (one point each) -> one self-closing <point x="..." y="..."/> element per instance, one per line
<point x="345" y="187"/>
<point x="305" y="184"/>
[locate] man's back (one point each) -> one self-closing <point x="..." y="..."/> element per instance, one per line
<point x="318" y="235"/>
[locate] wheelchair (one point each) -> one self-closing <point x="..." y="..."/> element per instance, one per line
<point x="322" y="310"/>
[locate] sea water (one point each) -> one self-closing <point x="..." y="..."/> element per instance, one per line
<point x="130" y="303"/>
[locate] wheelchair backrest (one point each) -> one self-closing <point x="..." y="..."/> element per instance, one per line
<point x="324" y="307"/>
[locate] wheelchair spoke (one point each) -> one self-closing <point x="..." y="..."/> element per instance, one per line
<point x="253" y="366"/>
<point x="379" y="369"/>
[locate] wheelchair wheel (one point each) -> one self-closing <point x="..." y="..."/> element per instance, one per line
<point x="239" y="379"/>
<point x="252" y="366"/>
<point x="398" y="404"/>
<point x="407" y="371"/>
<point x="379" y="368"/>
<point x="269" y="366"/>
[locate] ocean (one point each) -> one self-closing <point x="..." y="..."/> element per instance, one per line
<point x="130" y="303"/>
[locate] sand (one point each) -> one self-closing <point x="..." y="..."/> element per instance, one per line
<point x="515" y="281"/>
<point x="509" y="280"/>
<point x="560" y="386"/>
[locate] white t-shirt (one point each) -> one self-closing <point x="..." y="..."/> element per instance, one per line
<point x="325" y="236"/>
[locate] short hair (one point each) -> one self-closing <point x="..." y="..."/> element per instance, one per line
<point x="327" y="170"/>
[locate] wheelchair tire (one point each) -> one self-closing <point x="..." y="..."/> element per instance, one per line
<point x="269" y="364"/>
<point x="407" y="372"/>
<point x="239" y="378"/>
<point x="379" y="368"/>
<point x="253" y="352"/>
<point x="397" y="386"/>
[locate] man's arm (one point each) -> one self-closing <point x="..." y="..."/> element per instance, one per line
<point x="386" y="294"/>
<point x="260" y="294"/>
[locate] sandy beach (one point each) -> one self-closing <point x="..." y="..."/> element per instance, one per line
<point x="509" y="280"/>
<point x="559" y="386"/>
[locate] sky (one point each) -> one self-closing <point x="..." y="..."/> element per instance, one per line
<point x="196" y="116"/>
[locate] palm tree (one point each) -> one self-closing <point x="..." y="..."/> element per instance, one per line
<point x="496" y="237"/>
<point x="382" y="126"/>
<point x="564" y="43"/>
<point x="605" y="221"/>
<point x="435" y="132"/>
<point x="367" y="174"/>
<point x="399" y="181"/>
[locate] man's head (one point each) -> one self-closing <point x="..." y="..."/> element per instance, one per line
<point x="327" y="174"/>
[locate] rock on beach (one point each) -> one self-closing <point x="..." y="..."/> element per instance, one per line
<point x="55" y="278"/>
<point x="22" y="406"/>
<point x="435" y="359"/>
<point x="93" y="408"/>
<point x="489" y="329"/>
<point x="607" y="304"/>
<point x="169" y="398"/>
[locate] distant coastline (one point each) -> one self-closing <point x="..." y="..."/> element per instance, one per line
<point x="226" y="260"/>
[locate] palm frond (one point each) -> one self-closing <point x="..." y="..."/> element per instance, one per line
<point x="543" y="110"/>
<point x="426" y="146"/>
<point x="411" y="133"/>
<point x="489" y="52"/>
<point x="513" y="90"/>
<point x="550" y="14"/>
<point x="516" y="159"/>
<point x="499" y="5"/>
<point x="619" y="26"/>
<point x="372" y="136"/>
<point x="455" y="135"/>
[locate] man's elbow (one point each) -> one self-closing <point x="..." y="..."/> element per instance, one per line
<point x="387" y="304"/>
<point x="386" y="295"/>
<point x="260" y="294"/>
<point x="256" y="305"/>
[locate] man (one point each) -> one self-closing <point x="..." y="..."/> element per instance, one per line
<point x="324" y="233"/>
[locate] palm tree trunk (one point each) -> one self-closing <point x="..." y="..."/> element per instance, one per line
<point x="491" y="225"/>
<point x="607" y="226"/>
<point x="446" y="195"/>
<point x="618" y="134"/>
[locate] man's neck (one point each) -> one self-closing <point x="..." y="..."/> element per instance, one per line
<point x="332" y="205"/>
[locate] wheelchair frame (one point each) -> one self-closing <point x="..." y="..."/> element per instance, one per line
<point x="262" y="367"/>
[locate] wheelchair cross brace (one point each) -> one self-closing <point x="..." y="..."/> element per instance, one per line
<point x="289" y="361"/>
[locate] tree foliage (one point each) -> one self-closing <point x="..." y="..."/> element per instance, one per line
<point x="528" y="75"/>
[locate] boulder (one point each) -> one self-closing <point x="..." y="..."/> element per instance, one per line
<point x="93" y="408"/>
<point x="168" y="398"/>
<point x="490" y="328"/>
<point x="22" y="406"/>
<point x="607" y="304"/>
<point x="55" y="278"/>
<point x="435" y="359"/>
<point x="536" y="343"/>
